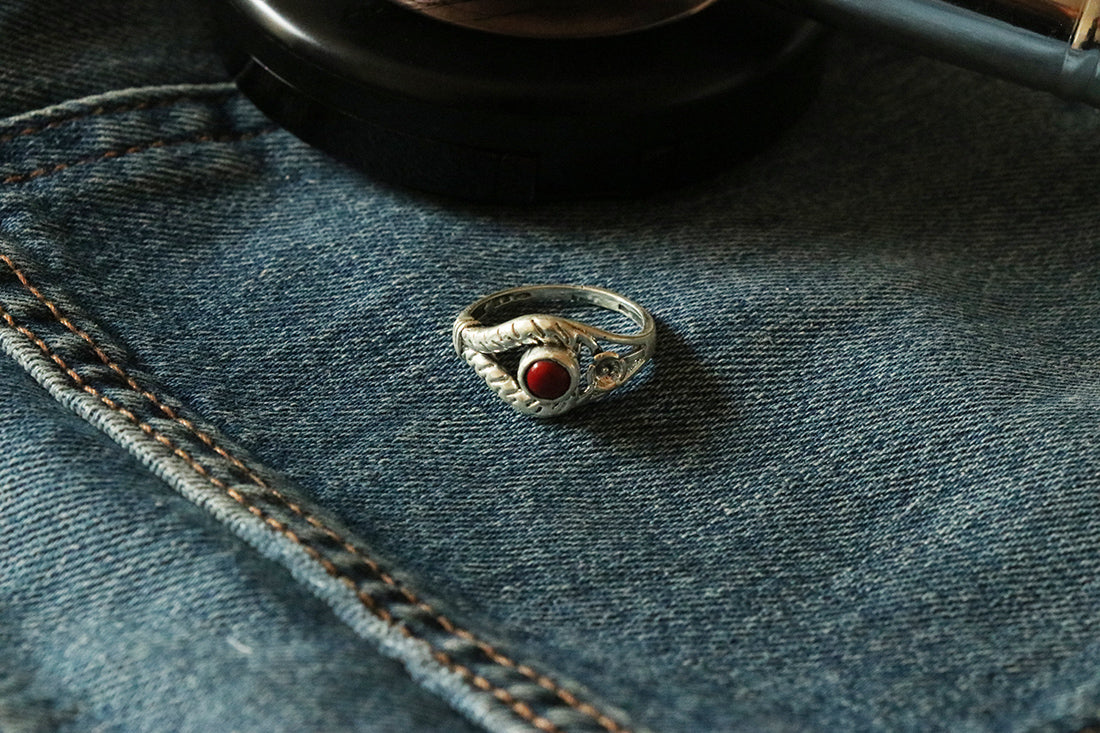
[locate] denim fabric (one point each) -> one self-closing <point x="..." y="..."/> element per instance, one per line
<point x="856" y="491"/>
<point x="126" y="607"/>
<point x="53" y="51"/>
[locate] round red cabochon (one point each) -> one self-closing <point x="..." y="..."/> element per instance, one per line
<point x="547" y="379"/>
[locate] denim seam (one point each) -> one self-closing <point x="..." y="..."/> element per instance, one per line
<point x="118" y="153"/>
<point x="109" y="110"/>
<point x="171" y="414"/>
<point x="380" y="608"/>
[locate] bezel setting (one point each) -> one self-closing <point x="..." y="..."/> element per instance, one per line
<point x="562" y="357"/>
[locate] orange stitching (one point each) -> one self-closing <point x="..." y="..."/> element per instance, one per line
<point x="446" y="624"/>
<point x="123" y="109"/>
<point x="518" y="706"/>
<point x="205" y="138"/>
<point x="504" y="696"/>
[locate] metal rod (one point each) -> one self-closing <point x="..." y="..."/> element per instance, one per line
<point x="1046" y="44"/>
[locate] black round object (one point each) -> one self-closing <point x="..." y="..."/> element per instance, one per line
<point x="490" y="117"/>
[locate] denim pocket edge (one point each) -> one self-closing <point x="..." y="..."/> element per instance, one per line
<point x="92" y="377"/>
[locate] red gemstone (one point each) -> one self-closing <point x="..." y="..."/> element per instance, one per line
<point x="547" y="379"/>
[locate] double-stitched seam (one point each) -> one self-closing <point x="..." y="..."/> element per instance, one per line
<point x="409" y="596"/>
<point x="109" y="109"/>
<point x="521" y="708"/>
<point x="118" y="153"/>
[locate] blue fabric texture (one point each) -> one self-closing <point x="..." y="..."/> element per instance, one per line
<point x="245" y="481"/>
<point x="126" y="607"/>
<point x="53" y="52"/>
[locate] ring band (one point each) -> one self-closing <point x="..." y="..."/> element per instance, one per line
<point x="564" y="363"/>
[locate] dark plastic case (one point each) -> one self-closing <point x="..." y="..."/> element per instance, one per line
<point x="488" y="117"/>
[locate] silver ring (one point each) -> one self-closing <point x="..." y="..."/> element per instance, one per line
<point x="564" y="362"/>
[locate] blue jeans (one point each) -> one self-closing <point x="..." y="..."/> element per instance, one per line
<point x="245" y="484"/>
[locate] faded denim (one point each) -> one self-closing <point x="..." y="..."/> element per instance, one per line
<point x="858" y="489"/>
